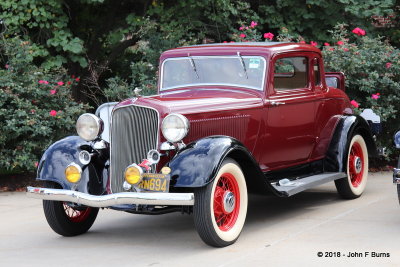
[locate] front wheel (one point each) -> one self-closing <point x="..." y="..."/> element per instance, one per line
<point x="221" y="206"/>
<point x="357" y="169"/>
<point x="68" y="220"/>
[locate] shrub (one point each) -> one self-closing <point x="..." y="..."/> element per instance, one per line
<point x="372" y="71"/>
<point x="36" y="107"/>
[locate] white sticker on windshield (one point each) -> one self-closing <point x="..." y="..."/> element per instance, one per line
<point x="254" y="63"/>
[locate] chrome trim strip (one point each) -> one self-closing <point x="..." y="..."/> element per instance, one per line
<point x="111" y="125"/>
<point x="212" y="84"/>
<point x="165" y="199"/>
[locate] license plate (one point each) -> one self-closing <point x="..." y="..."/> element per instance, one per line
<point x="155" y="182"/>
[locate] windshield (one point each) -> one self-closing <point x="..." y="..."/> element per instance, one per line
<point x="240" y="71"/>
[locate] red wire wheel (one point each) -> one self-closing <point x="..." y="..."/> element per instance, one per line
<point x="220" y="207"/>
<point x="226" y="201"/>
<point x="356" y="162"/>
<point x="76" y="215"/>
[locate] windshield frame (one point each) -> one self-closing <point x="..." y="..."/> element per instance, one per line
<point x="213" y="84"/>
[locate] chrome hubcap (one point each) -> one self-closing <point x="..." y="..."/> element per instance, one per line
<point x="229" y="202"/>
<point x="357" y="164"/>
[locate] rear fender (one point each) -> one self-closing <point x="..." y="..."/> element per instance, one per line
<point x="347" y="127"/>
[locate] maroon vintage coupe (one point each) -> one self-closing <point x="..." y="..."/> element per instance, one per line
<point x="228" y="120"/>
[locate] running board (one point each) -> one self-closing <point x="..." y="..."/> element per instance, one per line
<point x="290" y="187"/>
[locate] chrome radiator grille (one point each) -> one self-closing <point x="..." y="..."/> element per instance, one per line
<point x="134" y="131"/>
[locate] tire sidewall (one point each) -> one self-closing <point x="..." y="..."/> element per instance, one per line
<point x="358" y="190"/>
<point x="230" y="166"/>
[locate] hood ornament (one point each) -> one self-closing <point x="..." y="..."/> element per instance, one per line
<point x="137" y="91"/>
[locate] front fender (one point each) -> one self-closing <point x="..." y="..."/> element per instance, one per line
<point x="198" y="163"/>
<point x="60" y="154"/>
<point x="347" y="127"/>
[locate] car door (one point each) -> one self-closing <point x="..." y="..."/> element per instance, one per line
<point x="290" y="130"/>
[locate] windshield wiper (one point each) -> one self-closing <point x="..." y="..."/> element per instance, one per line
<point x="193" y="66"/>
<point x="243" y="65"/>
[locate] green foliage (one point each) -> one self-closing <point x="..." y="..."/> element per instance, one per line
<point x="47" y="26"/>
<point x="36" y="107"/>
<point x="372" y="72"/>
<point x="312" y="18"/>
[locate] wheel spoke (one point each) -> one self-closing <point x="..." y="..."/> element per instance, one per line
<point x="76" y="215"/>
<point x="226" y="185"/>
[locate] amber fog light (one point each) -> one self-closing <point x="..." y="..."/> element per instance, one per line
<point x="133" y="174"/>
<point x="73" y="173"/>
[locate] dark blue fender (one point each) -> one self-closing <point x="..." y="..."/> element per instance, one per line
<point x="60" y="154"/>
<point x="347" y="127"/>
<point x="198" y="163"/>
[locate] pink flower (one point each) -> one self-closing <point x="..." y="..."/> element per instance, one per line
<point x="69" y="82"/>
<point x="375" y="96"/>
<point x="354" y="103"/>
<point x="340" y="43"/>
<point x="36" y="164"/>
<point x="247" y="28"/>
<point x="327" y="44"/>
<point x="313" y="43"/>
<point x="241" y="28"/>
<point x="53" y="113"/>
<point x="230" y="42"/>
<point x="253" y="24"/>
<point x="388" y="65"/>
<point x="242" y="35"/>
<point x="269" y="36"/>
<point x="78" y="79"/>
<point x="43" y="82"/>
<point x="302" y="42"/>
<point x="60" y="83"/>
<point x="358" y="31"/>
<point x="345" y="49"/>
<point x="52" y="92"/>
<point x="6" y="66"/>
<point x="33" y="111"/>
<point x="331" y="48"/>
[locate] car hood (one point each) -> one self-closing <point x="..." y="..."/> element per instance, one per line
<point x="194" y="101"/>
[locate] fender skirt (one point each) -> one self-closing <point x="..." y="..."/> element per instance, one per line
<point x="197" y="164"/>
<point x="347" y="127"/>
<point x="60" y="154"/>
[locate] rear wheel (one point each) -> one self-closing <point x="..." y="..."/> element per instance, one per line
<point x="357" y="169"/>
<point x="220" y="207"/>
<point x="68" y="220"/>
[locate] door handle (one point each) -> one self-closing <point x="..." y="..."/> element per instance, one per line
<point x="277" y="103"/>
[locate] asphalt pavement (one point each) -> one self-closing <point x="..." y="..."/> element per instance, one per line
<point x="313" y="228"/>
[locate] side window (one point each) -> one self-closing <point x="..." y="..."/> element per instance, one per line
<point x="291" y="73"/>
<point x="317" y="72"/>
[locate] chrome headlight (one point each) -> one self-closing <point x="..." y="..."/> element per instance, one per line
<point x="175" y="127"/>
<point x="397" y="139"/>
<point x="89" y="126"/>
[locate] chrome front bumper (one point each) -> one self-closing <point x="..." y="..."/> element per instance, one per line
<point x="163" y="199"/>
<point x="396" y="176"/>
